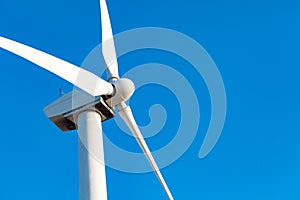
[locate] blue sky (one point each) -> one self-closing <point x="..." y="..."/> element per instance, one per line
<point x="255" y="46"/>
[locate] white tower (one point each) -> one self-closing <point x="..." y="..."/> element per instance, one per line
<point x="78" y="110"/>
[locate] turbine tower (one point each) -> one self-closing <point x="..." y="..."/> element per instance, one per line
<point x="85" y="110"/>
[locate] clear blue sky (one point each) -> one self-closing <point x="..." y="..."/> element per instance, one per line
<point x="255" y="45"/>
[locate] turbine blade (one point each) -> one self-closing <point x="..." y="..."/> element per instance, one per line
<point x="108" y="45"/>
<point x="126" y="114"/>
<point x="79" y="77"/>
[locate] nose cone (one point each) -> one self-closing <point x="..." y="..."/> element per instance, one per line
<point x="124" y="90"/>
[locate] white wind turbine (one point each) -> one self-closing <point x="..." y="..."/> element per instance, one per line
<point x="85" y="114"/>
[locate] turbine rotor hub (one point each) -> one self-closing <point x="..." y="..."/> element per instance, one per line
<point x="124" y="88"/>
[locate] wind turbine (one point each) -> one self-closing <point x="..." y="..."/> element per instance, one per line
<point x="85" y="113"/>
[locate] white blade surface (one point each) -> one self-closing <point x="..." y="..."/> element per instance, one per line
<point x="79" y="77"/>
<point x="108" y="45"/>
<point x="126" y="115"/>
